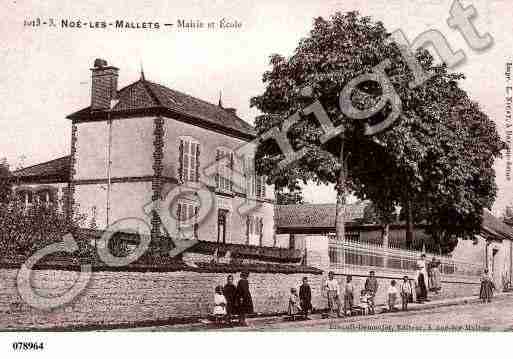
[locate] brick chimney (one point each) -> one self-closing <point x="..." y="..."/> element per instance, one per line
<point x="104" y="85"/>
<point x="231" y="110"/>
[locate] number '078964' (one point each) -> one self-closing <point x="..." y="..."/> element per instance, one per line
<point x="23" y="346"/>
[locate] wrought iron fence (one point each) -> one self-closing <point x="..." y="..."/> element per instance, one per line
<point x="347" y="254"/>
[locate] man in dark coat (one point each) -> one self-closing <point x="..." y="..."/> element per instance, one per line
<point x="229" y="294"/>
<point x="243" y="298"/>
<point x="305" y="297"/>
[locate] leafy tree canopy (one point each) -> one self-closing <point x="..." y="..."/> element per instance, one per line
<point x="289" y="197"/>
<point x="439" y="154"/>
<point x="5" y="185"/>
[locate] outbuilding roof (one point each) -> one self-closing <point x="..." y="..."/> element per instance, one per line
<point x="57" y="170"/>
<point x="314" y="216"/>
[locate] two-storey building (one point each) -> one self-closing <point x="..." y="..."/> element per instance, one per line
<point x="133" y="146"/>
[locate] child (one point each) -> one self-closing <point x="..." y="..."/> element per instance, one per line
<point x="348" y="295"/>
<point x="406" y="292"/>
<point x="392" y="296"/>
<point x="305" y="297"/>
<point x="294" y="307"/>
<point x="364" y="301"/>
<point x="219" y="303"/>
<point x="487" y="287"/>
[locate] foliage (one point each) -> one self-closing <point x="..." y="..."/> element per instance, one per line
<point x="28" y="229"/>
<point x="5" y="184"/>
<point x="284" y="197"/>
<point x="439" y="155"/>
<point x="372" y="214"/>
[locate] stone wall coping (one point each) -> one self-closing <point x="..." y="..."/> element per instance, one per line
<point x="178" y="267"/>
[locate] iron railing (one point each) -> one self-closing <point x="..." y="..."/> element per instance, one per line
<point x="354" y="254"/>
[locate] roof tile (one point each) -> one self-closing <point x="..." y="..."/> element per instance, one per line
<point x="59" y="167"/>
<point x="143" y="94"/>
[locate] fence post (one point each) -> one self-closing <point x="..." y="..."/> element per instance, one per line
<point x="386" y="235"/>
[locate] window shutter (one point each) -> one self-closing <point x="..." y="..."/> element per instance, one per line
<point x="257" y="189"/>
<point x="191" y="164"/>
<point x="247" y="229"/>
<point x="218" y="155"/>
<point x="197" y="162"/>
<point x="261" y="230"/>
<point x="181" y="176"/>
<point x="196" y="211"/>
<point x="179" y="212"/>
<point x="231" y="171"/>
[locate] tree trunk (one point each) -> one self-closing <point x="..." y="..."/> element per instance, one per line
<point x="409" y="225"/>
<point x="341" y="196"/>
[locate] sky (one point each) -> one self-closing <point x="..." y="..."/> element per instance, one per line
<point x="46" y="72"/>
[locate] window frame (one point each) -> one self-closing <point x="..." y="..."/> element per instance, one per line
<point x="224" y="183"/>
<point x="189" y="150"/>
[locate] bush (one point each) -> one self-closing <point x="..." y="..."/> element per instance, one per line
<point x="24" y="230"/>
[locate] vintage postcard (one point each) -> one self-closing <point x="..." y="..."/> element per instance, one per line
<point x="239" y="166"/>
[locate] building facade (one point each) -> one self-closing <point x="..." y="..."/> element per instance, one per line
<point x="133" y="147"/>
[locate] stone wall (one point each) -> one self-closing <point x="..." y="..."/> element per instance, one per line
<point x="124" y="298"/>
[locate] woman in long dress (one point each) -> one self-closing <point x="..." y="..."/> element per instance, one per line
<point x="243" y="298"/>
<point x="487" y="287"/>
<point x="422" y="278"/>
<point x="436" y="276"/>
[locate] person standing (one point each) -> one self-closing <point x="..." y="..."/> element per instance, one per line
<point x="406" y="292"/>
<point x="219" y="304"/>
<point x="371" y="287"/>
<point x="244" y="301"/>
<point x="422" y="278"/>
<point x="305" y="297"/>
<point x="435" y="282"/>
<point x="487" y="287"/>
<point x="348" y="296"/>
<point x="229" y="293"/>
<point x="392" y="296"/>
<point x="294" y="307"/>
<point x="333" y="293"/>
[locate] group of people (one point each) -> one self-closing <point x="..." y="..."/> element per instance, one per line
<point x="300" y="304"/>
<point x="232" y="300"/>
<point x="428" y="278"/>
<point x="367" y="301"/>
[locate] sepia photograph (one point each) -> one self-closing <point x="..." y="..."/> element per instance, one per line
<point x="302" y="167"/>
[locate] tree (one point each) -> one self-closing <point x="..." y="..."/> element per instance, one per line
<point x="5" y="184"/>
<point x="437" y="158"/>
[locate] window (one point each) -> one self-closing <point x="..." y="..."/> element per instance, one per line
<point x="260" y="186"/>
<point x="186" y="215"/>
<point x="224" y="160"/>
<point x="255" y="185"/>
<point x="189" y="160"/>
<point x="255" y="226"/>
<point x="222" y="215"/>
